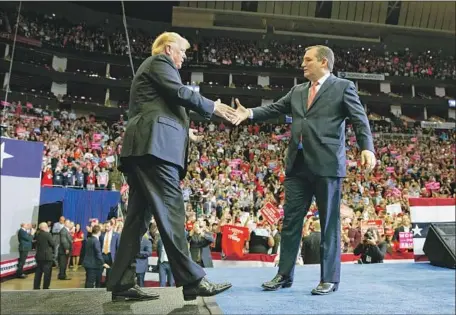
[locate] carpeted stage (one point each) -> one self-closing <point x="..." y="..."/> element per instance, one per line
<point x="415" y="288"/>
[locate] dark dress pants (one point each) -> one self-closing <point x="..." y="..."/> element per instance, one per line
<point x="300" y="186"/>
<point x="63" y="263"/>
<point x="21" y="262"/>
<point x="43" y="267"/>
<point x="93" y="277"/>
<point x="154" y="189"/>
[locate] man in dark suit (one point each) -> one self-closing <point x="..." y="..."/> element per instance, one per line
<point x="142" y="259"/>
<point x="310" y="250"/>
<point x="25" y="238"/>
<point x="44" y="256"/>
<point x="154" y="159"/>
<point x="200" y="241"/>
<point x="93" y="260"/>
<point x="315" y="162"/>
<point x="66" y="244"/>
<point x="109" y="241"/>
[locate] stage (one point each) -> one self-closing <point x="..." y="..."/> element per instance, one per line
<point x="404" y="288"/>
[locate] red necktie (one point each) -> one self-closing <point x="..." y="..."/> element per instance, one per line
<point x="313" y="92"/>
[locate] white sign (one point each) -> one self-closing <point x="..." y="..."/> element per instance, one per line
<point x="438" y="125"/>
<point x="361" y="76"/>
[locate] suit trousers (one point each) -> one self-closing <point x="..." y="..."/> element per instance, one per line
<point x="93" y="277"/>
<point x="300" y="187"/>
<point x="43" y="267"/>
<point x="63" y="262"/>
<point x="21" y="262"/>
<point x="154" y="189"/>
<point x="108" y="260"/>
<point x="140" y="279"/>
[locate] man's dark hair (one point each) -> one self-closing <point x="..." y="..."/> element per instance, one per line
<point x="96" y="229"/>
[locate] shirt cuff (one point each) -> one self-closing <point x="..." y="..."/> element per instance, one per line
<point x="251" y="114"/>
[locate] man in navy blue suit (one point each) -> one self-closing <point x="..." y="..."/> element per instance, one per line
<point x="154" y="160"/>
<point x="315" y="162"/>
<point x="25" y="238"/>
<point x="109" y="242"/>
<point x="93" y="260"/>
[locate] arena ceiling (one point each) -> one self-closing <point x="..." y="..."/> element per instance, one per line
<point x="329" y="16"/>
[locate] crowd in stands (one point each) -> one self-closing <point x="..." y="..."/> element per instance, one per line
<point x="227" y="51"/>
<point x="235" y="171"/>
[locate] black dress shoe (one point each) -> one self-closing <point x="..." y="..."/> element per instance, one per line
<point x="65" y="278"/>
<point x="325" y="288"/>
<point x="204" y="288"/>
<point x="133" y="294"/>
<point x="277" y="282"/>
<point x="22" y="276"/>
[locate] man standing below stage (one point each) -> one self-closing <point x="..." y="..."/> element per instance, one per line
<point x="316" y="160"/>
<point x="154" y="159"/>
<point x="66" y="244"/>
<point x="44" y="256"/>
<point x="25" y="238"/>
<point x="109" y="242"/>
<point x="56" y="227"/>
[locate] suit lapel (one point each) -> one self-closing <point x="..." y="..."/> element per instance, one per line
<point x="329" y="81"/>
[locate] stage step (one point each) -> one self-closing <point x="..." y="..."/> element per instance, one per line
<point x="98" y="301"/>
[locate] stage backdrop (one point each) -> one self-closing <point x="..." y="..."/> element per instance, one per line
<point x="20" y="166"/>
<point x="81" y="205"/>
<point x="423" y="212"/>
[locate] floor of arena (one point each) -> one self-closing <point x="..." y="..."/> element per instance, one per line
<point x="365" y="289"/>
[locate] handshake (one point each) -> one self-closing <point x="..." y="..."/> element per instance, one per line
<point x="234" y="116"/>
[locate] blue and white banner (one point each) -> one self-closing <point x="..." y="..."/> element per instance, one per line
<point x="20" y="167"/>
<point x="423" y="212"/>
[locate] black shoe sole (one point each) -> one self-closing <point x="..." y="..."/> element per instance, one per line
<point x="120" y="298"/>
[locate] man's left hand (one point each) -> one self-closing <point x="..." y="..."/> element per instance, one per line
<point x="368" y="160"/>
<point x="192" y="135"/>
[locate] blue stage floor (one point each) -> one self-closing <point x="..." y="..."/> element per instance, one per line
<point x="404" y="288"/>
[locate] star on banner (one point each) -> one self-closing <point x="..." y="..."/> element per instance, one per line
<point x="4" y="155"/>
<point x="416" y="230"/>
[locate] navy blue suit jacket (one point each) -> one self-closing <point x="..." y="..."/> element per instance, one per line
<point x="142" y="260"/>
<point x="158" y="114"/>
<point x="92" y="256"/>
<point x="322" y="126"/>
<point x="115" y="240"/>
<point x="25" y="240"/>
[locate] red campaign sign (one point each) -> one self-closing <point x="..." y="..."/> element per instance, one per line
<point x="366" y="224"/>
<point x="270" y="213"/>
<point x="405" y="240"/>
<point x="233" y="240"/>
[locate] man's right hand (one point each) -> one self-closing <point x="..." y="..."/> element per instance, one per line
<point x="224" y="111"/>
<point x="242" y="113"/>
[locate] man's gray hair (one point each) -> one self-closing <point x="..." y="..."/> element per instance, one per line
<point x="324" y="52"/>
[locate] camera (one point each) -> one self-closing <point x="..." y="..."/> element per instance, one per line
<point x="369" y="235"/>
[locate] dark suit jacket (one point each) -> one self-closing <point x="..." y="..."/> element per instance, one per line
<point x="115" y="240"/>
<point x="142" y="260"/>
<point x="92" y="256"/>
<point x="44" y="246"/>
<point x="66" y="241"/>
<point x="199" y="245"/>
<point x="323" y="125"/>
<point x="396" y="232"/>
<point x="25" y="240"/>
<point x="157" y="114"/>
<point x="310" y="251"/>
